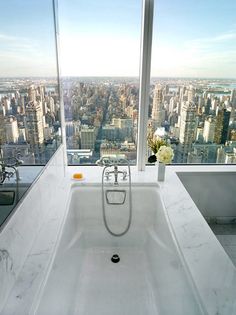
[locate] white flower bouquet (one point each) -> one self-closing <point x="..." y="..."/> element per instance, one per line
<point x="165" y="154"/>
<point x="161" y="149"/>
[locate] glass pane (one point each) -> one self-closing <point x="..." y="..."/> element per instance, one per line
<point x="100" y="44"/>
<point x="193" y="85"/>
<point x="29" y="99"/>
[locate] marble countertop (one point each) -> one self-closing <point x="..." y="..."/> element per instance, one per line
<point x="213" y="272"/>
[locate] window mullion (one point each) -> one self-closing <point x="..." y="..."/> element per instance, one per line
<point x="145" y="68"/>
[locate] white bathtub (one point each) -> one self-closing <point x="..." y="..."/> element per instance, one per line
<point x="151" y="277"/>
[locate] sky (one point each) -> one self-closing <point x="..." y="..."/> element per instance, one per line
<point x="102" y="38"/>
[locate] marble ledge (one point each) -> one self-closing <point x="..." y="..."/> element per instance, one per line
<point x="33" y="272"/>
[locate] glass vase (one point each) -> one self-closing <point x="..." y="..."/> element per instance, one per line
<point x="161" y="172"/>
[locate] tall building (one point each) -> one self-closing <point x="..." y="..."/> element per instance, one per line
<point x="187" y="123"/>
<point x="7" y="105"/>
<point x="87" y="137"/>
<point x="191" y="94"/>
<point x="233" y="98"/>
<point x="209" y="129"/>
<point x="11" y="129"/>
<point x="225" y="130"/>
<point x="207" y="106"/>
<point x="34" y="120"/>
<point x="187" y="130"/>
<point x="32" y="93"/>
<point x="222" y="126"/>
<point x="182" y="94"/>
<point x="158" y="113"/>
<point x="2" y="129"/>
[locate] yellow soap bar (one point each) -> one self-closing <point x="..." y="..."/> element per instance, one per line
<point x="78" y="176"/>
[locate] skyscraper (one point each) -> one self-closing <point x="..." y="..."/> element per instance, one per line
<point x="2" y="129"/>
<point x="222" y="126"/>
<point x="209" y="129"/>
<point x="207" y="106"/>
<point x="11" y="129"/>
<point x="225" y="130"/>
<point x="34" y="119"/>
<point x="32" y="93"/>
<point x="233" y="98"/>
<point x="158" y="113"/>
<point x="191" y="94"/>
<point x="187" y="129"/>
<point x="187" y="123"/>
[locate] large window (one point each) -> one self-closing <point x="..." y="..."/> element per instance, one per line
<point x="193" y="82"/>
<point x="29" y="98"/>
<point x="100" y="44"/>
<point x="192" y="87"/>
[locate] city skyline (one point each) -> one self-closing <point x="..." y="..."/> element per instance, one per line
<point x="187" y="42"/>
<point x="101" y="117"/>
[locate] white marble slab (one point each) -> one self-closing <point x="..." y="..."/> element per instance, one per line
<point x="18" y="235"/>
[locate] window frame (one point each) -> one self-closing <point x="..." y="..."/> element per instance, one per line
<point x="145" y="74"/>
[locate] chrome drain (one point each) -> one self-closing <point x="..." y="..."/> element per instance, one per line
<point x="115" y="258"/>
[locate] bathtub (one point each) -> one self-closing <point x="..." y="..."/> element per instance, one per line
<point x="150" y="278"/>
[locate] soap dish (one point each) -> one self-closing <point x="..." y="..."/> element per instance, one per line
<point x="78" y="176"/>
<point x="78" y="179"/>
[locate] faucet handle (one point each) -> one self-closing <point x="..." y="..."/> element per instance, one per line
<point x="124" y="175"/>
<point x="107" y="175"/>
<point x="9" y="174"/>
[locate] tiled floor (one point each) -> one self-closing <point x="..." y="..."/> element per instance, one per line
<point x="226" y="234"/>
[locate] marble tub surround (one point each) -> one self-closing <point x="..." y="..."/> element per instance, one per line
<point x="213" y="273"/>
<point x="27" y="174"/>
<point x="18" y="234"/>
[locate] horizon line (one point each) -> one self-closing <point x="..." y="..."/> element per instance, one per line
<point x="108" y="76"/>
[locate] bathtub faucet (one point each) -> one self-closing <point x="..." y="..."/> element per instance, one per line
<point x="105" y="161"/>
<point x="116" y="172"/>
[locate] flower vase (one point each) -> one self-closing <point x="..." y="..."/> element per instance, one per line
<point x="161" y="172"/>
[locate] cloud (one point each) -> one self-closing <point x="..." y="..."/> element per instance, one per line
<point x="206" y="57"/>
<point x="11" y="38"/>
<point x="25" y="56"/>
<point x="209" y="43"/>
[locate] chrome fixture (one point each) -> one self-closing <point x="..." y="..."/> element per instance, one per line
<point x="8" y="168"/>
<point x="114" y="163"/>
<point x="115" y="172"/>
<point x="115" y="197"/>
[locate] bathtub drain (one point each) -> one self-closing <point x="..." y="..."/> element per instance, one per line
<point x="115" y="258"/>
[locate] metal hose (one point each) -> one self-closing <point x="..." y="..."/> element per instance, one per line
<point x="130" y="204"/>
